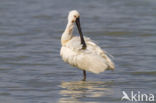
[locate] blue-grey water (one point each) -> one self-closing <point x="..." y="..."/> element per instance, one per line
<point x="31" y="69"/>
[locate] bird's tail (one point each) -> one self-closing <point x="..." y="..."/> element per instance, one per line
<point x="108" y="57"/>
<point x="110" y="63"/>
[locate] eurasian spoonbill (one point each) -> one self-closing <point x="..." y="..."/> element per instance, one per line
<point x="82" y="52"/>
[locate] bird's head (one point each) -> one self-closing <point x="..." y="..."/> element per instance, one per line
<point x="73" y="15"/>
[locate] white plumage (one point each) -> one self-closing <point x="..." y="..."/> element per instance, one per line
<point x="92" y="58"/>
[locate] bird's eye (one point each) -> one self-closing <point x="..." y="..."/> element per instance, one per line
<point x="75" y="16"/>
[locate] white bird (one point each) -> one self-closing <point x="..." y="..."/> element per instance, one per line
<point x="82" y="52"/>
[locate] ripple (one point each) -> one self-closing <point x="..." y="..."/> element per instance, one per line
<point x="149" y="73"/>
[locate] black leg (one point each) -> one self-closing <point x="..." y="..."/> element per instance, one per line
<point x="84" y="75"/>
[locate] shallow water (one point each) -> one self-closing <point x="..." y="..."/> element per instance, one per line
<point x="31" y="70"/>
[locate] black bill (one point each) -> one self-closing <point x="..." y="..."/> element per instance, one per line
<point x="80" y="32"/>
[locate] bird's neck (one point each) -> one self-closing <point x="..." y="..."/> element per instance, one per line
<point x="67" y="34"/>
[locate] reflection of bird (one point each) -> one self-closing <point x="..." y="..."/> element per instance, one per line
<point x="125" y="96"/>
<point x="81" y="51"/>
<point x="75" y="91"/>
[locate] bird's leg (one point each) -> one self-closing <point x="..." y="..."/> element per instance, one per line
<point x="84" y="75"/>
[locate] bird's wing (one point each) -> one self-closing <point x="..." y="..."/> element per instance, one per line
<point x="75" y="44"/>
<point x="95" y="49"/>
<point x="93" y="57"/>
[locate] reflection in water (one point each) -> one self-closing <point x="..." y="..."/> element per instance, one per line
<point x="76" y="91"/>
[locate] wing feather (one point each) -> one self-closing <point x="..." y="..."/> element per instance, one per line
<point x="92" y="59"/>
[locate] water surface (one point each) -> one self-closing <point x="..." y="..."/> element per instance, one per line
<point x="31" y="70"/>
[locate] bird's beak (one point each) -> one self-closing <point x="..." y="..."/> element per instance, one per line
<point x="79" y="26"/>
<point x="80" y="32"/>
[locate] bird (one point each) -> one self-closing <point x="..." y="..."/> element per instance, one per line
<point x="81" y="51"/>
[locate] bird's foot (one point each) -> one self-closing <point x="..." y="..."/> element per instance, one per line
<point x="84" y="79"/>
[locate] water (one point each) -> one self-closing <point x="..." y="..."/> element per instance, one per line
<point x="31" y="70"/>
